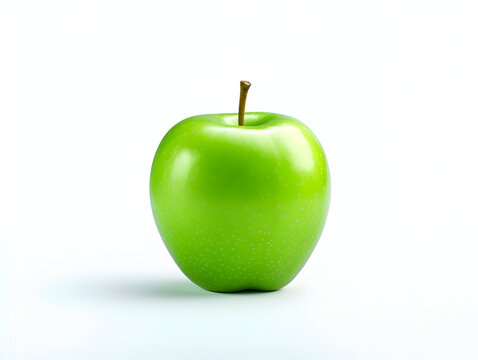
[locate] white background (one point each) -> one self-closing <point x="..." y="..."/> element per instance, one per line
<point x="89" y="88"/>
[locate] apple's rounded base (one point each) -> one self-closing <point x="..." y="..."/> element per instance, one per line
<point x="246" y="290"/>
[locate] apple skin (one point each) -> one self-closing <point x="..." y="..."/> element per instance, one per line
<point x="240" y="207"/>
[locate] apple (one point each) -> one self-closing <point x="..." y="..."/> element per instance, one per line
<point x="241" y="200"/>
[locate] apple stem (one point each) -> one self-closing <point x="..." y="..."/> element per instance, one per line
<point x="242" y="101"/>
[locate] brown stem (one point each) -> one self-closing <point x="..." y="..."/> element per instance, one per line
<point x="242" y="101"/>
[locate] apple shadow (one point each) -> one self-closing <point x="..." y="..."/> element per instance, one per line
<point x="178" y="288"/>
<point x="152" y="289"/>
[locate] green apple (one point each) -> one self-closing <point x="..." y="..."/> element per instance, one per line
<point x="240" y="206"/>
